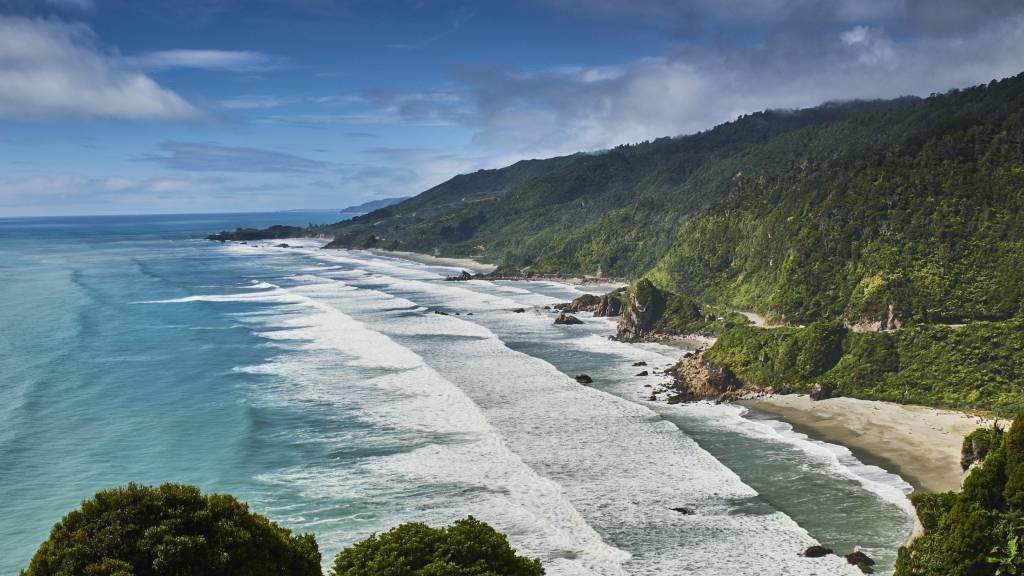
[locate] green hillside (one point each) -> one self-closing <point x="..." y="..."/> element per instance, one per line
<point x="834" y="211"/>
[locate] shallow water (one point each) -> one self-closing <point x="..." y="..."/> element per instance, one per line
<point x="321" y="387"/>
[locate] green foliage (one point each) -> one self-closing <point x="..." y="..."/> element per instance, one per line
<point x="929" y="365"/>
<point x="974" y="532"/>
<point x="468" y="547"/>
<point x="172" y="530"/>
<point x="931" y="507"/>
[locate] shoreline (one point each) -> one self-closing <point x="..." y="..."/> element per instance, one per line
<point x="477" y="267"/>
<point x="920" y="444"/>
<point x="468" y="263"/>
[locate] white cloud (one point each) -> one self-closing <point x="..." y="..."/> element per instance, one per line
<point x="564" y="110"/>
<point x="223" y="60"/>
<point x="53" y="69"/>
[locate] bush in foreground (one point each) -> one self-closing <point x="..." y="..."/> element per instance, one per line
<point x="468" y="547"/>
<point x="173" y="530"/>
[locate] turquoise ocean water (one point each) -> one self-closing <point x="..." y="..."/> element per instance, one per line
<point x="321" y="387"/>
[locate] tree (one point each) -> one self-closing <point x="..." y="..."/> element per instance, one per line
<point x="468" y="547"/>
<point x="173" y="530"/>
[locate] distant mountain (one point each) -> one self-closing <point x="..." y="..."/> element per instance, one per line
<point x="373" y="205"/>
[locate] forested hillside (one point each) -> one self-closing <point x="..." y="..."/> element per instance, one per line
<point x="903" y="211"/>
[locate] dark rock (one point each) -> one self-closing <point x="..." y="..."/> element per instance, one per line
<point x="584" y="379"/>
<point x="282" y="245"/>
<point x="821" y="392"/>
<point x="683" y="510"/>
<point x="462" y="277"/>
<point x="647" y="385"/>
<point x="817" y="551"/>
<point x="519" y="310"/>
<point x="862" y="561"/>
<point x="609" y="305"/>
<point x="640" y="363"/>
<point x="653" y="398"/>
<point x="644" y="373"/>
<point x="567" y="319"/>
<point x="547" y="307"/>
<point x="440" y="313"/>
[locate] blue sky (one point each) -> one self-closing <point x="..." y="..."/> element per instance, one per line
<point x="129" y="106"/>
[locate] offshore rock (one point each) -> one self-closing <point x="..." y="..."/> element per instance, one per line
<point x="817" y="551"/>
<point x="862" y="561"/>
<point x="567" y="319"/>
<point x="462" y="277"/>
<point x="584" y="379"/>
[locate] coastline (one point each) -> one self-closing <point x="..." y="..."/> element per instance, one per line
<point x="920" y="444"/>
<point x="477" y="267"/>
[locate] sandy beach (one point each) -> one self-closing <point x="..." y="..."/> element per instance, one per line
<point x="468" y="264"/>
<point x="920" y="444"/>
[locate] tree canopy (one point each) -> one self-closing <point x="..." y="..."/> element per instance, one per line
<point x="172" y="530"/>
<point x="468" y="547"/>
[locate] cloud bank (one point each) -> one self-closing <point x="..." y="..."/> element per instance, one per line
<point x="53" y="69"/>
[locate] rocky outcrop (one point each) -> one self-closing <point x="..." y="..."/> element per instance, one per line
<point x="890" y="322"/>
<point x="862" y="561"/>
<point x="461" y="277"/>
<point x="694" y="378"/>
<point x="607" y="305"/>
<point x="977" y="445"/>
<point x="584" y="379"/>
<point x="635" y="321"/>
<point x="567" y="319"/>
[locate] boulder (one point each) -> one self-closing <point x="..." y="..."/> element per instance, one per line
<point x="584" y="379"/>
<point x="282" y="245"/>
<point x="440" y="313"/>
<point x="642" y="373"/>
<point x="567" y="319"/>
<point x="461" y="277"/>
<point x="640" y="363"/>
<point x="519" y="310"/>
<point x="683" y="510"/>
<point x="817" y="551"/>
<point x="862" y="561"/>
<point x="821" y="392"/>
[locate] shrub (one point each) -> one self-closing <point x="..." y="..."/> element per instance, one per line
<point x="173" y="530"/>
<point x="468" y="547"/>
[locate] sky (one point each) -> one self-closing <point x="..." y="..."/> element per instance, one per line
<point x="136" y="106"/>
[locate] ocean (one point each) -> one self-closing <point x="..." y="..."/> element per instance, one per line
<point x="324" y="388"/>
